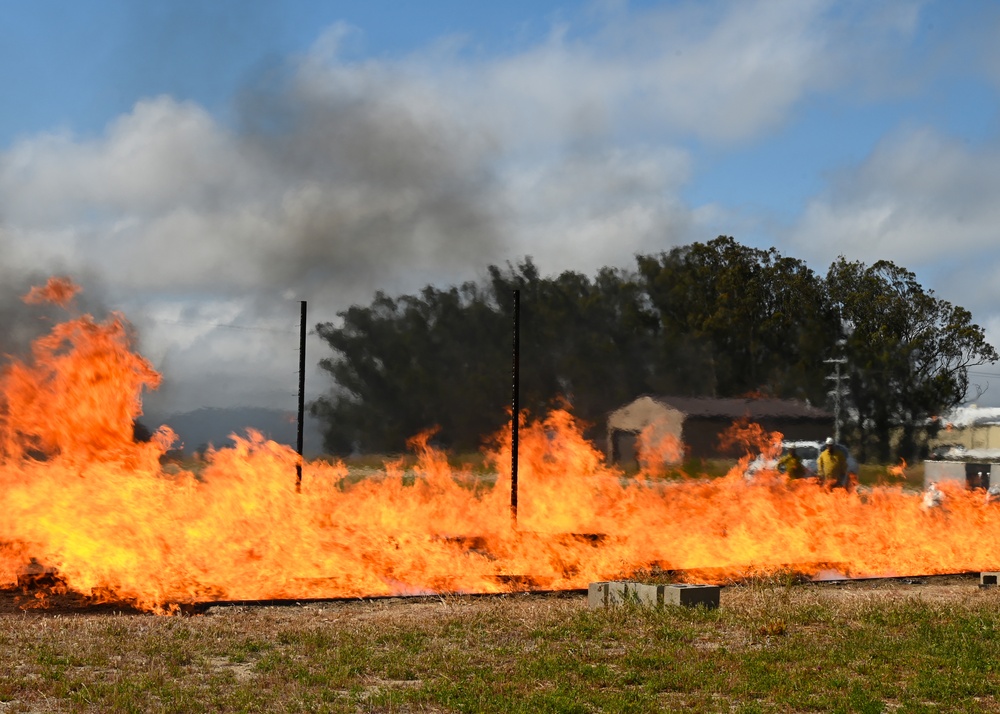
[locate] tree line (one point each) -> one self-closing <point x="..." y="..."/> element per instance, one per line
<point x="706" y="319"/>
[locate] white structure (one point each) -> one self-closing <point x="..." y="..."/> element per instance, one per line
<point x="975" y="430"/>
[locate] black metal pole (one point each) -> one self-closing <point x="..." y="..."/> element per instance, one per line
<point x="302" y="397"/>
<point x="515" y="407"/>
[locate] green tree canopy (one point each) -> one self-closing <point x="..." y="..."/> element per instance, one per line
<point x="737" y="320"/>
<point x="908" y="352"/>
<point x="403" y="365"/>
<point x="707" y="319"/>
<point x="443" y="358"/>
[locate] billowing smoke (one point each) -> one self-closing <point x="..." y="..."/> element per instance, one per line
<point x="323" y="190"/>
<point x="375" y="186"/>
<point x="22" y="323"/>
<point x="327" y="179"/>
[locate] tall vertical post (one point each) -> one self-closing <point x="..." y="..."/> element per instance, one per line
<point x="836" y="403"/>
<point x="515" y="407"/>
<point x="838" y="393"/>
<point x="302" y="397"/>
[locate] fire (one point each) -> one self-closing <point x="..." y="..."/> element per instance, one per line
<point x="77" y="495"/>
<point x="748" y="438"/>
<point x="658" y="449"/>
<point x="58" y="290"/>
<point x="898" y="471"/>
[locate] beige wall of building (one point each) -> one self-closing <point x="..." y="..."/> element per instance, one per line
<point x="625" y="424"/>
<point x="977" y="436"/>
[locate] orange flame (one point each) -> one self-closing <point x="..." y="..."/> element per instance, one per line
<point x="78" y="495"/>
<point x="58" y="291"/>
<point x="898" y="471"/>
<point x="658" y="449"/>
<point x="750" y="438"/>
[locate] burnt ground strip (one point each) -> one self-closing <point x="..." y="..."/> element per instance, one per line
<point x="46" y="594"/>
<point x="59" y="601"/>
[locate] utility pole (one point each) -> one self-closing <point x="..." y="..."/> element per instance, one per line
<point x="838" y="391"/>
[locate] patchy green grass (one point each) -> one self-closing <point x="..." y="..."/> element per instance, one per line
<point x="770" y="647"/>
<point x="697" y="468"/>
<point x="912" y="476"/>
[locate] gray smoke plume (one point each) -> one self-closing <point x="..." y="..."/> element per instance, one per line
<point x="21" y="323"/>
<point x="329" y="178"/>
<point x="377" y="188"/>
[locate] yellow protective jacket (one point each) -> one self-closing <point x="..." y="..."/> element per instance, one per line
<point x="791" y="465"/>
<point x="832" y="466"/>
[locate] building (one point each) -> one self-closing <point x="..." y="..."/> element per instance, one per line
<point x="698" y="422"/>
<point x="968" y="429"/>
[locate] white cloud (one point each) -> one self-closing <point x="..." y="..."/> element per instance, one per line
<point x="161" y="155"/>
<point x="385" y="173"/>
<point x="918" y="198"/>
<point x="926" y="202"/>
<point x="718" y="71"/>
<point x="347" y="177"/>
<point x="586" y="211"/>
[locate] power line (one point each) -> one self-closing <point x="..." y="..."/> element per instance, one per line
<point x="205" y="323"/>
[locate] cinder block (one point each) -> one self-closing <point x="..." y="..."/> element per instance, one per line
<point x="692" y="595"/>
<point x="597" y="595"/>
<point x="650" y="595"/>
<point x="611" y="593"/>
<point x="988" y="578"/>
<point x="620" y="592"/>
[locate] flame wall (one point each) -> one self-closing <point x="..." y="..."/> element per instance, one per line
<point x="77" y="494"/>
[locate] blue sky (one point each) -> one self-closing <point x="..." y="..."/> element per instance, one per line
<point x="207" y="164"/>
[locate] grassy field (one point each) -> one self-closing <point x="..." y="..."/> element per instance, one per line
<point x="771" y="646"/>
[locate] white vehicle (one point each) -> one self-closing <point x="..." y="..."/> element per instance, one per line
<point x="808" y="453"/>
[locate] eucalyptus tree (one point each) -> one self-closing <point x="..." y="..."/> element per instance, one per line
<point x="404" y="365"/>
<point x="442" y="358"/>
<point x="908" y="352"/>
<point x="736" y="319"/>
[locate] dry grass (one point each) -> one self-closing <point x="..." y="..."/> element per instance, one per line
<point x="772" y="646"/>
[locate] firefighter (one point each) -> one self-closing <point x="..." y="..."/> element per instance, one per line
<point x="791" y="464"/>
<point x="831" y="466"/>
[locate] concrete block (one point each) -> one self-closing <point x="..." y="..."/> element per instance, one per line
<point x="691" y="595"/>
<point x="988" y="578"/>
<point x="597" y="595"/>
<point x="620" y="592"/>
<point x="611" y="593"/>
<point x="650" y="595"/>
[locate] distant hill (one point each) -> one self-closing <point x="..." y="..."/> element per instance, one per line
<point x="211" y="425"/>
